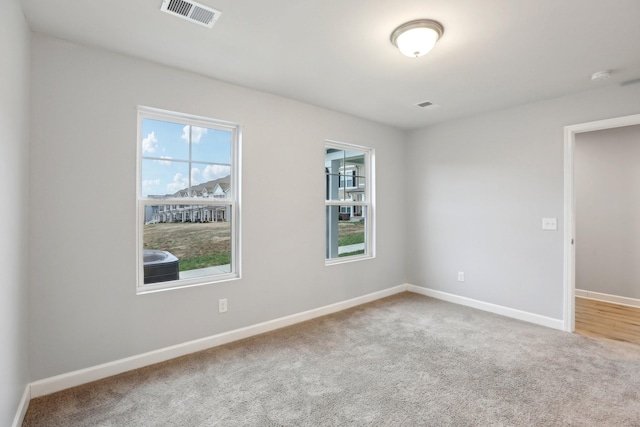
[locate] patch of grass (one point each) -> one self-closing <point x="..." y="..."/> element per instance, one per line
<point x="351" y="239"/>
<point x="204" y="261"/>
<point x="360" y="252"/>
<point x="350" y="233"/>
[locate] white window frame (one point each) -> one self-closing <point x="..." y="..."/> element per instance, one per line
<point x="232" y="200"/>
<point x="369" y="203"/>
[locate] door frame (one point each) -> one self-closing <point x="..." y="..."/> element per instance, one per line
<point x="570" y="206"/>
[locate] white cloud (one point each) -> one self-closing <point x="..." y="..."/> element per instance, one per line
<point x="195" y="176"/>
<point x="179" y="183"/>
<point x="196" y="133"/>
<point x="215" y="171"/>
<point x="150" y="143"/>
<point x="167" y="160"/>
<point x="148" y="183"/>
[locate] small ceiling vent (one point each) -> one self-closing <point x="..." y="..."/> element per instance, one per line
<point x="428" y="105"/>
<point x="191" y="11"/>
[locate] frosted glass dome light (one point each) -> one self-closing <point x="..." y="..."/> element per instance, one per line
<point x="417" y="38"/>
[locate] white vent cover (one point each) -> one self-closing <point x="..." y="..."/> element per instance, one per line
<point x="191" y="11"/>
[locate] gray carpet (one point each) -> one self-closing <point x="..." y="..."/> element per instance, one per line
<point x="407" y="360"/>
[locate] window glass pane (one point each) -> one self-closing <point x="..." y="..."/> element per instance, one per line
<point x="210" y="180"/>
<point x="164" y="140"/>
<point x="346" y="231"/>
<point x="345" y="174"/>
<point x="186" y="241"/>
<point x="164" y="178"/>
<point x="211" y="145"/>
<point x="354" y="172"/>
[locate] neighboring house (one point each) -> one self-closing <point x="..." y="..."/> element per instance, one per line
<point x="165" y="211"/>
<point x="351" y="187"/>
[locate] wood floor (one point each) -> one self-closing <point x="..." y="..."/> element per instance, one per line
<point x="604" y="319"/>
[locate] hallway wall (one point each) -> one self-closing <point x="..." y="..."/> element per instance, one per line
<point x="607" y="186"/>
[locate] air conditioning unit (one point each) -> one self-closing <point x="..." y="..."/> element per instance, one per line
<point x="160" y="266"/>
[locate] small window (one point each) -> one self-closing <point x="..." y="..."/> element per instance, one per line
<point x="188" y="200"/>
<point x="349" y="202"/>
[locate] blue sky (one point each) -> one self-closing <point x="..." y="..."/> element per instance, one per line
<point x="165" y="156"/>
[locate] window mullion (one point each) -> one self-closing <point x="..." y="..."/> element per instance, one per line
<point x="190" y="159"/>
<point x="346" y="203"/>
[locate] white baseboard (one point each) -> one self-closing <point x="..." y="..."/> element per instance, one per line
<point x="94" y="373"/>
<point x="83" y="376"/>
<point x="493" y="308"/>
<point x="22" y="407"/>
<point x="615" y="299"/>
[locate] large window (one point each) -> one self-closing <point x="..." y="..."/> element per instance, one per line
<point x="188" y="200"/>
<point x="349" y="202"/>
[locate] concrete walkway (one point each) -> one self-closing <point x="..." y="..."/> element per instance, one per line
<point x="209" y="271"/>
<point x="350" y="248"/>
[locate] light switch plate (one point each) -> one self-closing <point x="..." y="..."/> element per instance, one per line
<point x="549" y="223"/>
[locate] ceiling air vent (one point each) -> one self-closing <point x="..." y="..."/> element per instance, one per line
<point x="191" y="11"/>
<point x="428" y="105"/>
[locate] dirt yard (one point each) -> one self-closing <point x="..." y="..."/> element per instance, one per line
<point x="193" y="240"/>
<point x="348" y="228"/>
<point x="189" y="240"/>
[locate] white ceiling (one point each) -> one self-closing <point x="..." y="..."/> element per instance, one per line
<point x="337" y="54"/>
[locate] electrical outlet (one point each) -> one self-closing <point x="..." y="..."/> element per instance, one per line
<point x="222" y="305"/>
<point x="549" y="223"/>
<point x="460" y="276"/>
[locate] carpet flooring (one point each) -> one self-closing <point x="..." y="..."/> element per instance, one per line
<point x="406" y="360"/>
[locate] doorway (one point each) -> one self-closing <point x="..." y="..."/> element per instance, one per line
<point x="570" y="206"/>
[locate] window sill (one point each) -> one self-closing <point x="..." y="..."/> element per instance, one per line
<point x="348" y="259"/>
<point x="190" y="279"/>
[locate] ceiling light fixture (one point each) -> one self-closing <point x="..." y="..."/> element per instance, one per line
<point x="417" y="38"/>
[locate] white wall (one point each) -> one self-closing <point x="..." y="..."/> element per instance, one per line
<point x="477" y="190"/>
<point x="14" y="140"/>
<point x="607" y="186"/>
<point x="84" y="310"/>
